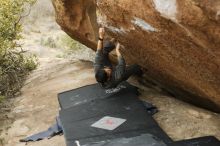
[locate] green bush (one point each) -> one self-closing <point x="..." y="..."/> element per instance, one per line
<point x="14" y="63"/>
<point x="70" y="45"/>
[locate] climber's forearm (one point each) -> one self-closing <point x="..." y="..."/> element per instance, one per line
<point x="99" y="56"/>
<point x="101" y="37"/>
<point x="118" y="53"/>
<point x="98" y="64"/>
<point x="100" y="45"/>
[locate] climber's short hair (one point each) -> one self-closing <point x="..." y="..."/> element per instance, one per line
<point x="101" y="76"/>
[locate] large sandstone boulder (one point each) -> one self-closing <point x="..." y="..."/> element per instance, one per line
<point x="176" y="41"/>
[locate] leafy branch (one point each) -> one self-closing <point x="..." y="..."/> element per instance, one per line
<point x="14" y="63"/>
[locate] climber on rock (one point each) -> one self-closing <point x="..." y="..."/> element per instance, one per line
<point x="106" y="74"/>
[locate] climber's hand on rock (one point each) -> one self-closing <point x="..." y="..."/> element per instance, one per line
<point x="101" y="32"/>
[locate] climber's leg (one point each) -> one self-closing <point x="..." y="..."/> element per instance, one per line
<point x="132" y="70"/>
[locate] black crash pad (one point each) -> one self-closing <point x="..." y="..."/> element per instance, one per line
<point x="142" y="140"/>
<point x="201" y="141"/>
<point x="82" y="107"/>
<point x="77" y="119"/>
<point x="91" y="92"/>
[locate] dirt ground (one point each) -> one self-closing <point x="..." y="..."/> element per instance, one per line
<point x="35" y="110"/>
<point x="37" y="106"/>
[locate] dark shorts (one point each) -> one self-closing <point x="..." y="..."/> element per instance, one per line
<point x="132" y="70"/>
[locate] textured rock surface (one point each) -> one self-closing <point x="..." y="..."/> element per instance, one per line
<point x="177" y="41"/>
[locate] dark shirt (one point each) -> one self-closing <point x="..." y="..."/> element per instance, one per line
<point x="117" y="71"/>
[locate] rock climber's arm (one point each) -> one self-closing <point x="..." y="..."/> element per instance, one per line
<point x="101" y="37"/>
<point x="99" y="55"/>
<point x="120" y="68"/>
